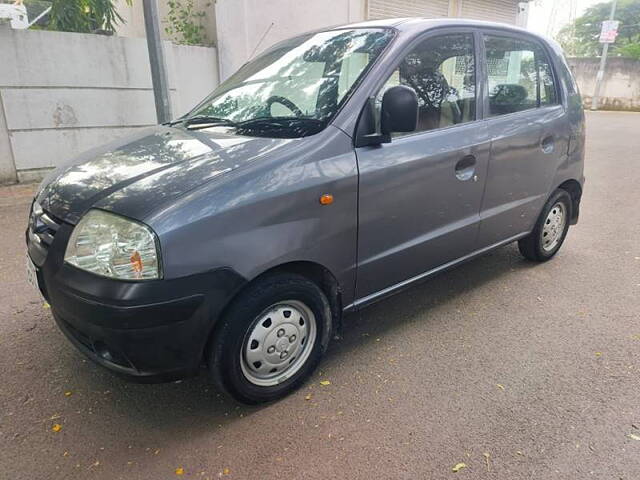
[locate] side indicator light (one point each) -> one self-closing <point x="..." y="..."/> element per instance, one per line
<point x="136" y="262"/>
<point x="326" y="199"/>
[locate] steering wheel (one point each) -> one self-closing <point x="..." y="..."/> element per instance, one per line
<point x="285" y="102"/>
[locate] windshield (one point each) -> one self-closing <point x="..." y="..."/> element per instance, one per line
<point x="294" y="88"/>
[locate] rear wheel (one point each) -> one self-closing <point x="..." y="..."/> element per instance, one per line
<point x="271" y="338"/>
<point x="550" y="230"/>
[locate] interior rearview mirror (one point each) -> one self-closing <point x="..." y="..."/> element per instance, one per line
<point x="399" y="111"/>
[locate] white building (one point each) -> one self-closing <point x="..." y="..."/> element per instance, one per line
<point x="15" y="14"/>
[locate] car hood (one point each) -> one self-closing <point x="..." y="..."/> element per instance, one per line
<point x="134" y="175"/>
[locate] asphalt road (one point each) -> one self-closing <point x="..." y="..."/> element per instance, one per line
<point x="519" y="371"/>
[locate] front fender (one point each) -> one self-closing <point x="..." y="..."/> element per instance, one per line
<point x="269" y="214"/>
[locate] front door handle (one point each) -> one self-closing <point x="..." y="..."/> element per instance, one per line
<point x="466" y="168"/>
<point x="547" y="144"/>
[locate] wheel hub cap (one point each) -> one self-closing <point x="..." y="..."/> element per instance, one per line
<point x="278" y="343"/>
<point x="553" y="227"/>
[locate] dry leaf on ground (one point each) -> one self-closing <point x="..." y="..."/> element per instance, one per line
<point x="487" y="456"/>
<point x="459" y="466"/>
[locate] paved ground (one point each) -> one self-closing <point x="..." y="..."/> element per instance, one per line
<point x="519" y="371"/>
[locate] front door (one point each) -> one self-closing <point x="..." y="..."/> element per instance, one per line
<point x="420" y="195"/>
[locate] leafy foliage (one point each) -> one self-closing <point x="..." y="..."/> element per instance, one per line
<point x="630" y="50"/>
<point x="184" y="23"/>
<point x="84" y="16"/>
<point x="582" y="38"/>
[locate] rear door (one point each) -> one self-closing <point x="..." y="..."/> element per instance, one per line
<point x="420" y="195"/>
<point x="528" y="130"/>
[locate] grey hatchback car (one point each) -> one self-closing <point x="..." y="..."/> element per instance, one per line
<point x="331" y="171"/>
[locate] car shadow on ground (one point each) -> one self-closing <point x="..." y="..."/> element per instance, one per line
<point x="416" y="301"/>
<point x="194" y="405"/>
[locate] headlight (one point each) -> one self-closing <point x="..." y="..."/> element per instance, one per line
<point x="113" y="246"/>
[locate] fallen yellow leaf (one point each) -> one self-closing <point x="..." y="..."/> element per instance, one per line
<point x="500" y="386"/>
<point x="634" y="436"/>
<point x="57" y="427"/>
<point x="324" y="383"/>
<point x="598" y="354"/>
<point x="458" y="466"/>
<point x="307" y="397"/>
<point x="68" y="394"/>
<point x="226" y="471"/>
<point x="45" y="305"/>
<point x="487" y="456"/>
<point x="179" y="471"/>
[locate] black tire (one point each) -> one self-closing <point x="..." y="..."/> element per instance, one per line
<point x="532" y="247"/>
<point x="224" y="356"/>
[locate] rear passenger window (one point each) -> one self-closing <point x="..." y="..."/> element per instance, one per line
<point x="520" y="75"/>
<point x="442" y="72"/>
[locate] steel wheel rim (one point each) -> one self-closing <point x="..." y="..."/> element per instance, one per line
<point x="553" y="227"/>
<point x="278" y="343"/>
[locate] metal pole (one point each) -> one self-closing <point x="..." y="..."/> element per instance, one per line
<point x="603" y="63"/>
<point x="159" y="76"/>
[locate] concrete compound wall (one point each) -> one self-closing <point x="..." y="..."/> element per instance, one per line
<point x="63" y="93"/>
<point x="621" y="85"/>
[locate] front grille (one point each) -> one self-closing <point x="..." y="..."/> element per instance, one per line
<point x="42" y="229"/>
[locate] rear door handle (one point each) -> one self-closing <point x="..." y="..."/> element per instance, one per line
<point x="466" y="168"/>
<point x="547" y="144"/>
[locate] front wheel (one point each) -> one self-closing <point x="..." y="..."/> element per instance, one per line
<point x="271" y="338"/>
<point x="550" y="230"/>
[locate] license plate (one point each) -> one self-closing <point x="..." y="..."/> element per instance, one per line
<point x="32" y="276"/>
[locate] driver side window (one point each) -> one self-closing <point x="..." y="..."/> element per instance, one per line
<point x="441" y="70"/>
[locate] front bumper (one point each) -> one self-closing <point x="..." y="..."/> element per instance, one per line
<point x="147" y="331"/>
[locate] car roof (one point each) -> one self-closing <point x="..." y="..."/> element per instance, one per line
<point x="418" y="24"/>
<point x="414" y="25"/>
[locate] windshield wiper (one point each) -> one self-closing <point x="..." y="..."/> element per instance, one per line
<point x="279" y="122"/>
<point x="203" y="121"/>
<point x="281" y="127"/>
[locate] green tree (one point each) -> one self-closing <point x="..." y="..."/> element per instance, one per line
<point x="630" y="50"/>
<point x="581" y="38"/>
<point x="84" y="16"/>
<point x="184" y="23"/>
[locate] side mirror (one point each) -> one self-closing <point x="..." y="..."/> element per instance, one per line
<point x="399" y="111"/>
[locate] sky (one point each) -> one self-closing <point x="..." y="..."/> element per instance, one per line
<point x="540" y="13"/>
